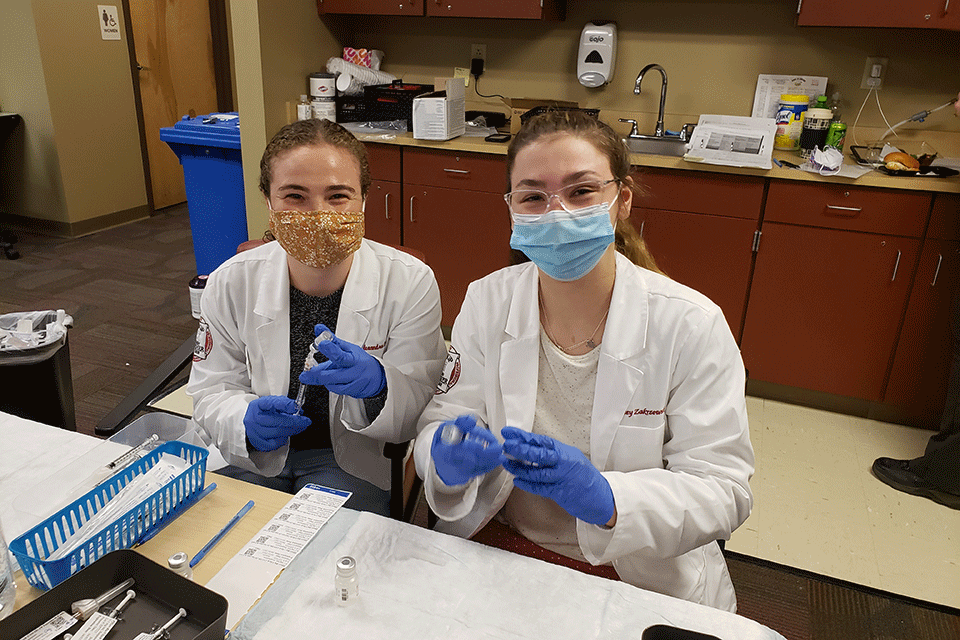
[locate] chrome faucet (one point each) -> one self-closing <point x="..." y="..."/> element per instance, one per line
<point x="663" y="94"/>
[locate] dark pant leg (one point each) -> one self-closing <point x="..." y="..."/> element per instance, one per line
<point x="282" y="482"/>
<point x="319" y="466"/>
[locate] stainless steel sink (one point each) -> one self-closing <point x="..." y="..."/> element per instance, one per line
<point x="663" y="146"/>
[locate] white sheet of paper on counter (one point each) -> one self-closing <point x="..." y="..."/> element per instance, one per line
<point x="735" y="141"/>
<point x="766" y="100"/>
<point x="248" y="574"/>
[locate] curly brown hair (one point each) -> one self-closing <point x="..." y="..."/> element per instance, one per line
<point x="608" y="143"/>
<point x="314" y="131"/>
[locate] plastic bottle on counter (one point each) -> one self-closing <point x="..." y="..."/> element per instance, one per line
<point x="8" y="588"/>
<point x="304" y="108"/>
<point x="834" y="105"/>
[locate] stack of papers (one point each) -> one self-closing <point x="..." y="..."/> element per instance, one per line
<point x="735" y="141"/>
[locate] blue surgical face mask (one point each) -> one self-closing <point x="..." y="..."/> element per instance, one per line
<point x="566" y="245"/>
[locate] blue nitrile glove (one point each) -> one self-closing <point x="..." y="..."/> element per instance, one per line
<point x="348" y="371"/>
<point x="271" y="420"/>
<point x="552" y="469"/>
<point x="475" y="455"/>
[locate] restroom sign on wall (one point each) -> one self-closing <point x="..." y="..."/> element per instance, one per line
<point x="109" y="22"/>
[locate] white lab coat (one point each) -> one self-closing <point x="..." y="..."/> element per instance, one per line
<point x="390" y="306"/>
<point x="668" y="430"/>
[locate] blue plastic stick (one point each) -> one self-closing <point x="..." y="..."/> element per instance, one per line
<point x="217" y="538"/>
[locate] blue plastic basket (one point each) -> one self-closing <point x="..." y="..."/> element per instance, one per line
<point x="38" y="543"/>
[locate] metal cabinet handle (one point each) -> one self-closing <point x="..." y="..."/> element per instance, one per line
<point x="642" y="223"/>
<point x="896" y="265"/>
<point x="946" y="7"/>
<point x="411" y="208"/>
<point x="457" y="170"/>
<point x="386" y="205"/>
<point x="937" y="272"/>
<point x="845" y="211"/>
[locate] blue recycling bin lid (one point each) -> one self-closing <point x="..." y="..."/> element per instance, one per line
<point x="212" y="130"/>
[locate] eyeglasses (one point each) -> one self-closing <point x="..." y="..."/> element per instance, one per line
<point x="534" y="202"/>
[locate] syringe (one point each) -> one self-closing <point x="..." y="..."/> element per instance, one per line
<point x="309" y="363"/>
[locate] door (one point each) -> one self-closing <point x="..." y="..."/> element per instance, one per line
<point x="383" y="216"/>
<point x="173" y="47"/>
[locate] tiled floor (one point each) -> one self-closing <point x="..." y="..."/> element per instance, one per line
<point x="818" y="507"/>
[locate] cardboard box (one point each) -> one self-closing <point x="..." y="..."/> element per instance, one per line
<point x="440" y="115"/>
<point x="519" y="106"/>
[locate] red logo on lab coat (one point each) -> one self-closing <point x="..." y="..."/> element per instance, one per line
<point x="451" y="372"/>
<point x="204" y="342"/>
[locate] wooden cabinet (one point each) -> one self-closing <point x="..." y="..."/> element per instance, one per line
<point x="700" y="228"/>
<point x="921" y="366"/>
<point x="455" y="215"/>
<point x="916" y="14"/>
<point x="373" y="7"/>
<point x="528" y="9"/>
<point x="383" y="217"/>
<point x="830" y="286"/>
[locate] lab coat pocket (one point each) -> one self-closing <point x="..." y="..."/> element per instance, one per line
<point x="637" y="447"/>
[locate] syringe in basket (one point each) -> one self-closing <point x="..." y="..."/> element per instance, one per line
<point x="107" y="471"/>
<point x="309" y="363"/>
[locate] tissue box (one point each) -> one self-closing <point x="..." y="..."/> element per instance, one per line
<point x="519" y="106"/>
<point x="440" y="115"/>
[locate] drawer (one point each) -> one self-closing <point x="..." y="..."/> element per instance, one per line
<point x="700" y="192"/>
<point x="473" y="171"/>
<point x="385" y="162"/>
<point x="889" y="211"/>
<point x="945" y="219"/>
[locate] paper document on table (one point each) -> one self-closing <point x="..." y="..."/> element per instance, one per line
<point x="248" y="574"/>
<point x="735" y="141"/>
<point x="766" y="99"/>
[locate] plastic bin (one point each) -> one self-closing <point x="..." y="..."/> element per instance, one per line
<point x="31" y="548"/>
<point x="209" y="151"/>
<point x="36" y="382"/>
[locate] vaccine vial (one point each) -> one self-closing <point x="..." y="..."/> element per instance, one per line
<point x="179" y="563"/>
<point x="304" y="108"/>
<point x="346" y="583"/>
<point x="451" y="434"/>
<point x="196" y="290"/>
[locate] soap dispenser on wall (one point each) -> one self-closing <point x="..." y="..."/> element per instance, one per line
<point x="598" y="54"/>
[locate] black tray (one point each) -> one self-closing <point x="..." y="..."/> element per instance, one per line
<point x="160" y="594"/>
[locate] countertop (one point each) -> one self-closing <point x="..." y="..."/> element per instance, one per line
<point x="871" y="179"/>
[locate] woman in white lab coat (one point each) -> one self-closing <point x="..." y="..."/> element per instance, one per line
<point x="262" y="308"/>
<point x="590" y="404"/>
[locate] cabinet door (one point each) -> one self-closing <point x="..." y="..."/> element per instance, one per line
<point x="825" y="308"/>
<point x="372" y="7"/>
<point x="917" y="14"/>
<point x="464" y="235"/>
<point x="712" y="254"/>
<point x="383" y="217"/>
<point x="921" y="368"/>
<point x="531" y="9"/>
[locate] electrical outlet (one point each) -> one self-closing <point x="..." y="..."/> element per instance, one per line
<point x="874" y="71"/>
<point x="478" y="51"/>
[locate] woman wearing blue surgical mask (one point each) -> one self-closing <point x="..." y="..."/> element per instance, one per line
<point x="263" y="312"/>
<point x="591" y="410"/>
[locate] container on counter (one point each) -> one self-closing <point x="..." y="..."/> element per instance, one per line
<point x="836" y="135"/>
<point x="304" y="108"/>
<point x="323" y="86"/>
<point x="324" y="109"/>
<point x="789" y="119"/>
<point x="816" y="124"/>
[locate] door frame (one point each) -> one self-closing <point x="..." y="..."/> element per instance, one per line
<point x="219" y="35"/>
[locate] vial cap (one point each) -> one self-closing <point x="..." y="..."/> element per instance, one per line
<point x="346" y="564"/>
<point x="178" y="560"/>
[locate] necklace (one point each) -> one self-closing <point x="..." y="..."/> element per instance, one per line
<point x="589" y="341"/>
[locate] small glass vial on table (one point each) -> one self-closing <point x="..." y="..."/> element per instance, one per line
<point x="347" y="583"/>
<point x="179" y="563"/>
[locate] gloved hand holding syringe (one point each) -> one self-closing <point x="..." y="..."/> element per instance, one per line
<point x="309" y="363"/>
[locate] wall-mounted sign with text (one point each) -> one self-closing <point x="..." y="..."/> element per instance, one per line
<point x="109" y="22"/>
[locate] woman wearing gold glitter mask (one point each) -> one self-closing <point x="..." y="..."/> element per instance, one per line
<point x="261" y="311"/>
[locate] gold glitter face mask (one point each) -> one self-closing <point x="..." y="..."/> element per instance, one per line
<point x="318" y="238"/>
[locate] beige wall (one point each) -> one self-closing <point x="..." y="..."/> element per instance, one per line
<point x="278" y="43"/>
<point x="93" y="110"/>
<point x="30" y="184"/>
<point x="712" y="52"/>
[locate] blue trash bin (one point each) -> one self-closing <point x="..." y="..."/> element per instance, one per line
<point x="209" y="151"/>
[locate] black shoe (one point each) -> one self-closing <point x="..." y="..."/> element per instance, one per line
<point x="898" y="475"/>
